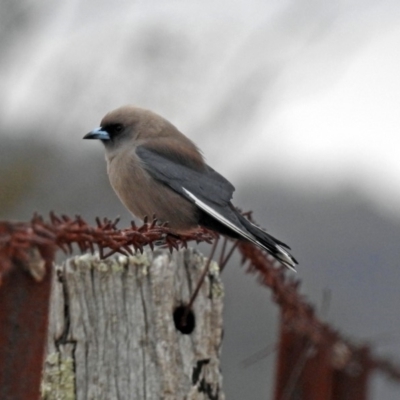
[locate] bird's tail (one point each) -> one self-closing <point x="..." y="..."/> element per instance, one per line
<point x="274" y="246"/>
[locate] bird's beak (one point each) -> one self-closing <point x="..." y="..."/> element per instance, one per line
<point x="97" y="133"/>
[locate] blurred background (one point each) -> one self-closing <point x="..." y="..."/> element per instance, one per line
<point x="296" y="102"/>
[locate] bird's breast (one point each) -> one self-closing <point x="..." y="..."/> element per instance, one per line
<point x="144" y="196"/>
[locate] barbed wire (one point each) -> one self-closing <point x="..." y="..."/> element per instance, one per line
<point x="63" y="232"/>
<point x="299" y="316"/>
<point x="20" y="240"/>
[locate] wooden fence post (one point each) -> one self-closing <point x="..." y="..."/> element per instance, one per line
<point x="113" y="335"/>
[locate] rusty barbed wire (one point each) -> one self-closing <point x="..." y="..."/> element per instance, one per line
<point x="17" y="239"/>
<point x="63" y="232"/>
<point x="299" y="316"/>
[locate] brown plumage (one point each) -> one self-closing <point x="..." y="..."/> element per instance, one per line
<point x="156" y="170"/>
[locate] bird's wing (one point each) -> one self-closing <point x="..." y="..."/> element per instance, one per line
<point x="207" y="185"/>
<point x="206" y="188"/>
<point x="212" y="194"/>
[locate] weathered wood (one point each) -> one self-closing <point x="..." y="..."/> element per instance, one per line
<point x="112" y="333"/>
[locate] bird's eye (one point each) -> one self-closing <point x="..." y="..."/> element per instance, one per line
<point x="118" y="128"/>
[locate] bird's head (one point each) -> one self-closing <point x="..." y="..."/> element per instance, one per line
<point x="129" y="124"/>
<point x="129" y="127"/>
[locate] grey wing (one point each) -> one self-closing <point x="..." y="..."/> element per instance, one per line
<point x="207" y="189"/>
<point x="212" y="194"/>
<point x="206" y="185"/>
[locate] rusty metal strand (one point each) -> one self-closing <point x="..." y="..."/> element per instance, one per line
<point x="63" y="232"/>
<point x="299" y="316"/>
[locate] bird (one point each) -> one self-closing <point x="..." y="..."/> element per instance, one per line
<point x="156" y="170"/>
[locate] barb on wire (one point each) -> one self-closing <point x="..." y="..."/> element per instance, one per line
<point x="62" y="232"/>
